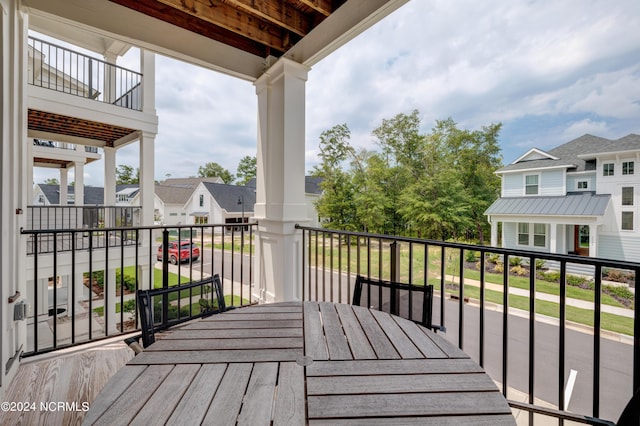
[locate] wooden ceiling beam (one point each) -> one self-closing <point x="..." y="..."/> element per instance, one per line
<point x="279" y="13"/>
<point x="324" y="7"/>
<point x="235" y="20"/>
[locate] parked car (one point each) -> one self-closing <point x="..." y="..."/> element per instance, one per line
<point x="188" y="251"/>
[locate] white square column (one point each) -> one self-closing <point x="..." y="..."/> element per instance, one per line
<point x="109" y="185"/>
<point x="78" y="186"/>
<point x="280" y="202"/>
<point x="64" y="187"/>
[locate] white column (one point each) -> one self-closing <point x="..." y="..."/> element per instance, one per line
<point x="147" y="183"/>
<point x="109" y="83"/>
<point x="593" y="240"/>
<point x="553" y="238"/>
<point x="148" y="67"/>
<point x="494" y="232"/>
<point x="13" y="181"/>
<point x="30" y="192"/>
<point x="109" y="184"/>
<point x="64" y="187"/>
<point x="280" y="202"/>
<point x="78" y="186"/>
<point x="110" y="301"/>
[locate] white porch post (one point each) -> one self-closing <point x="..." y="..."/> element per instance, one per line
<point x="109" y="184"/>
<point x="147" y="184"/>
<point x="109" y="89"/>
<point x="78" y="187"/>
<point x="593" y="240"/>
<point x="494" y="233"/>
<point x="280" y="202"/>
<point x="148" y="67"/>
<point x="553" y="238"/>
<point x="13" y="181"/>
<point x="64" y="187"/>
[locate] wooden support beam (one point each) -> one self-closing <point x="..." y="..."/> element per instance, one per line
<point x="324" y="7"/>
<point x="278" y="13"/>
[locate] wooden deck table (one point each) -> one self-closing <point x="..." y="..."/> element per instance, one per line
<point x="301" y="363"/>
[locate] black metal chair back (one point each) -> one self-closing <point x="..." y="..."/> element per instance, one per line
<point x="410" y="301"/>
<point x="145" y="309"/>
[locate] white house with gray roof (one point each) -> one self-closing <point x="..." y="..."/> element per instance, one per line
<point x="217" y="203"/>
<point x="580" y="198"/>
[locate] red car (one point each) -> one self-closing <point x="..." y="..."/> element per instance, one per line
<point x="188" y="251"/>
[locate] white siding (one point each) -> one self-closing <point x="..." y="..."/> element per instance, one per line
<point x="552" y="183"/>
<point x="572" y="182"/>
<point x="512" y="185"/>
<point x="619" y="247"/>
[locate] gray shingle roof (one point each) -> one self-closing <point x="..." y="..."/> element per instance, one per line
<point x="227" y="196"/>
<point x="311" y="184"/>
<point x="173" y="194"/>
<point x="583" y="146"/>
<point x="585" y="204"/>
<point x="92" y="194"/>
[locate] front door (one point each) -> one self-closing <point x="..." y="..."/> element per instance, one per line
<point x="581" y="240"/>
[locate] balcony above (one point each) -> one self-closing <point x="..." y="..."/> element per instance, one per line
<point x="62" y="155"/>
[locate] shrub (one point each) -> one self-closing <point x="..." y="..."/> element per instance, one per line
<point x="470" y="256"/>
<point x="541" y="264"/>
<point x="619" y="291"/>
<point x="578" y="281"/>
<point x="493" y="258"/>
<point x="518" y="270"/>
<point x="515" y="261"/>
<point x="129" y="281"/>
<point x="499" y="267"/>
<point x="551" y="276"/>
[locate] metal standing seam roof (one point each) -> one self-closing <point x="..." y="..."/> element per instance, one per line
<point x="586" y="204"/>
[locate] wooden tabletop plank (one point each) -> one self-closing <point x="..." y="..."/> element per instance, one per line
<point x="167" y="396"/>
<point x="226" y="404"/>
<point x="484" y="420"/>
<point x="314" y="343"/>
<point x="208" y="357"/>
<point x="405" y="366"/>
<point x="399" y="339"/>
<point x="446" y="346"/>
<point x="405" y="383"/>
<point x="234" y="333"/>
<point x="271" y="307"/>
<point x="407" y="404"/>
<point x="225" y="324"/>
<point x="258" y="399"/>
<point x="290" y="402"/>
<point x="379" y="341"/>
<point x="127" y="405"/>
<point x="115" y="387"/>
<point x="258" y="315"/>
<point x="357" y="340"/>
<point x="196" y="399"/>
<point x="335" y="337"/>
<point x="205" y="343"/>
<point x="421" y="339"/>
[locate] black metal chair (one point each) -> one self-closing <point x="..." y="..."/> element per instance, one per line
<point x="630" y="415"/>
<point x="410" y="301"/>
<point x="149" y="325"/>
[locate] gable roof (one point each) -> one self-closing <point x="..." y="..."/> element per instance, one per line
<point x="92" y="194"/>
<point x="584" y="204"/>
<point x="311" y="184"/>
<point x="190" y="182"/>
<point x="227" y="196"/>
<point x="573" y="154"/>
<point x="173" y="194"/>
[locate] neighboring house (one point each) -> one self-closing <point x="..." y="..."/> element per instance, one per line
<point x="312" y="193"/>
<point x="170" y="204"/>
<point x="190" y="182"/>
<point x="218" y="203"/>
<point x="580" y="198"/>
<point x="126" y="194"/>
<point x="49" y="195"/>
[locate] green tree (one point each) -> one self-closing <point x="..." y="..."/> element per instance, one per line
<point x="215" y="170"/>
<point x="51" y="181"/>
<point x="246" y="169"/>
<point x="125" y="175"/>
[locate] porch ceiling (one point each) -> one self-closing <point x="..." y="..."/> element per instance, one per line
<point x="263" y="28"/>
<point x="64" y="128"/>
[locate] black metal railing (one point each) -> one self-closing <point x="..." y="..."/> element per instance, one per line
<point x="87" y="293"/>
<point x="485" y="297"/>
<point x="64" y="70"/>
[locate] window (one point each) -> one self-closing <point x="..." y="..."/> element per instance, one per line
<point x="627" y="196"/>
<point x="173" y="214"/>
<point x="201" y="200"/>
<point x="201" y="220"/>
<point x="583" y="184"/>
<point x="531" y="184"/>
<point x="41" y="199"/>
<point x="539" y="235"/>
<point x="627" y="221"/>
<point x="607" y="169"/>
<point x="627" y="168"/>
<point x="523" y="234"/>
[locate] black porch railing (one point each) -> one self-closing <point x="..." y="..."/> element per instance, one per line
<point x="64" y="70"/>
<point x="78" y="294"/>
<point x="485" y="297"/>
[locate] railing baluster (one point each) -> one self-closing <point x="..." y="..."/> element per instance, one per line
<point x="532" y="331"/>
<point x="596" y="339"/>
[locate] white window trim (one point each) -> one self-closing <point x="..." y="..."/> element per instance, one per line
<point x="614" y="168"/>
<point x="627" y="160"/>
<point x="524" y="184"/>
<point x="532" y="235"/>
<point x="633" y="222"/>
<point x="578" y="182"/>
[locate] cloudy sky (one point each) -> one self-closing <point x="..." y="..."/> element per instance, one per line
<point x="549" y="71"/>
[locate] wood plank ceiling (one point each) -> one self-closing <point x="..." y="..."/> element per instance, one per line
<point x="260" y="27"/>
